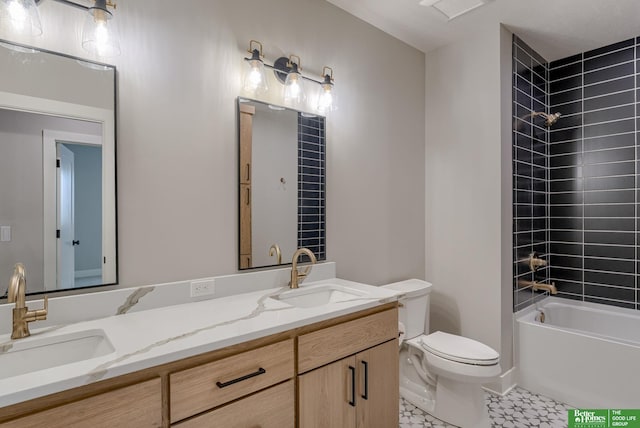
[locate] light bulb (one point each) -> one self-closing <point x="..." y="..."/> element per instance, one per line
<point x="327" y="98"/>
<point x="21" y="17"/>
<point x="255" y="79"/>
<point x="293" y="87"/>
<point x="99" y="36"/>
<point x="325" y="102"/>
<point x="18" y="15"/>
<point x="102" y="37"/>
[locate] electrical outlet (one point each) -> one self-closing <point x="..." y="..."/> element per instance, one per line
<point x="205" y="287"/>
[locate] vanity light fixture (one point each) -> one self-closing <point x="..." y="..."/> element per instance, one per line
<point x="21" y="17"/>
<point x="99" y="36"/>
<point x="288" y="71"/>
<point x="255" y="79"/>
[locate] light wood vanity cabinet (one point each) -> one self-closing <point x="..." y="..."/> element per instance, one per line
<point x="138" y="405"/>
<point x="303" y="378"/>
<point x="358" y="391"/>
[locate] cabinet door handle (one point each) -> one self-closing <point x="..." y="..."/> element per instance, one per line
<point x="240" y="379"/>
<point x="352" y="402"/>
<point x="366" y="380"/>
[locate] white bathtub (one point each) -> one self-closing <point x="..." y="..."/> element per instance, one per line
<point x="584" y="354"/>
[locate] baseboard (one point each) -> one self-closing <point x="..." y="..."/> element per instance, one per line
<point x="88" y="273"/>
<point x="505" y="383"/>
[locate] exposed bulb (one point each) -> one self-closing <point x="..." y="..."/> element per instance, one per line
<point x="255" y="79"/>
<point x="18" y="15"/>
<point x="102" y="37"/>
<point x="21" y="17"/>
<point x="327" y="98"/>
<point x="293" y="87"/>
<point x="325" y="101"/>
<point x="99" y="36"/>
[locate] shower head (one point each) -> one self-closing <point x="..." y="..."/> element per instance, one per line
<point x="549" y="119"/>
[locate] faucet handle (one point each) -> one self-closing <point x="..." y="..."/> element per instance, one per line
<point x="41" y="314"/>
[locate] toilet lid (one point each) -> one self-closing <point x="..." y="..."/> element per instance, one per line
<point x="460" y="349"/>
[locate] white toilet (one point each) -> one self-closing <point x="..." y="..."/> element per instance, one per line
<point x="441" y="373"/>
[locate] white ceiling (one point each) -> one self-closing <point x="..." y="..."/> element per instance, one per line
<point x="556" y="29"/>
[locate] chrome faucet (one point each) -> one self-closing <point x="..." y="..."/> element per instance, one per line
<point x="296" y="276"/>
<point x="21" y="314"/>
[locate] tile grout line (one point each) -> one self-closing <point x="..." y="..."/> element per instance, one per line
<point x="582" y="250"/>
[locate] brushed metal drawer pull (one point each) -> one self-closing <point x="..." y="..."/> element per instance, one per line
<point x="240" y="379"/>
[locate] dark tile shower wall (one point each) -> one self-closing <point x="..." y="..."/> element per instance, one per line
<point x="593" y="175"/>
<point x="311" y="184"/>
<point x="530" y="169"/>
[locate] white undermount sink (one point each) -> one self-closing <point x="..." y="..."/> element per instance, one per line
<point x="319" y="295"/>
<point x="39" y="353"/>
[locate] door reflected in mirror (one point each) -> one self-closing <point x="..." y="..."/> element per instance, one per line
<point x="281" y="184"/>
<point x="57" y="170"/>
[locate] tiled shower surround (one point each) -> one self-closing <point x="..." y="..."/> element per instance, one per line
<point x="592" y="175"/>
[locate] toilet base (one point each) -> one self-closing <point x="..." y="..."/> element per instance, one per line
<point x="461" y="404"/>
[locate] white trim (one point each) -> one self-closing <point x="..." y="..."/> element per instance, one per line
<point x="505" y="383"/>
<point x="92" y="114"/>
<point x="49" y="140"/>
<point x="88" y="273"/>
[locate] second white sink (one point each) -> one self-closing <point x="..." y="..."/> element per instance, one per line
<point x="39" y="353"/>
<point x="319" y="295"/>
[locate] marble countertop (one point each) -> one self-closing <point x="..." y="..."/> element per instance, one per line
<point x="156" y="336"/>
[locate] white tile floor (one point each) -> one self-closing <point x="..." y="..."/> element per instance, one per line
<point x="518" y="409"/>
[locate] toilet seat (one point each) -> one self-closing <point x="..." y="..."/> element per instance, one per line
<point x="459" y="349"/>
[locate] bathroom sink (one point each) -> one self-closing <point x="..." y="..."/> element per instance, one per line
<point x="319" y="295"/>
<point x="40" y="353"/>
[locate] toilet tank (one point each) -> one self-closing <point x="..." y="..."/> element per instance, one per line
<point x="415" y="313"/>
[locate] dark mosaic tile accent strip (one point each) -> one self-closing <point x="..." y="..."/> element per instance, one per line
<point x="311" y="184"/>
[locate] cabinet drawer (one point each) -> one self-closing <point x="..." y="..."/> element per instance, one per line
<point x="271" y="408"/>
<point x="333" y="343"/>
<point x="138" y="405"/>
<point x="210" y="385"/>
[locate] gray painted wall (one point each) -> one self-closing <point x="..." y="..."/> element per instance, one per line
<point x="179" y="74"/>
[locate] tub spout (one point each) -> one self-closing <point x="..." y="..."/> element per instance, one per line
<point x="551" y="288"/>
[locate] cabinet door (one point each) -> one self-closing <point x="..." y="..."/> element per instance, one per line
<point x="328" y="396"/>
<point x="378" y="386"/>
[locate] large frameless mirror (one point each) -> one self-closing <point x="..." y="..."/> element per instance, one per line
<point x="281" y="184"/>
<point x="57" y="169"/>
